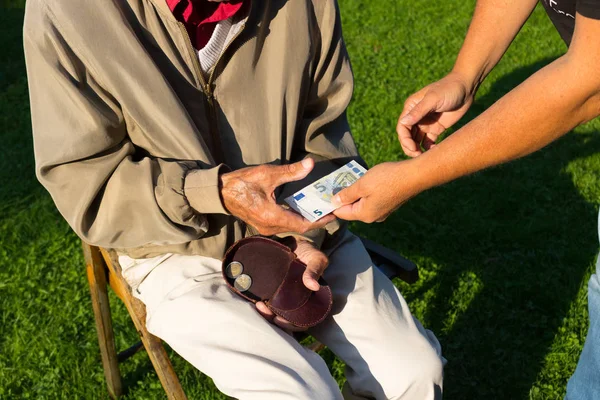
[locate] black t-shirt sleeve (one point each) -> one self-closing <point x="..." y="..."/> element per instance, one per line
<point x="589" y="8"/>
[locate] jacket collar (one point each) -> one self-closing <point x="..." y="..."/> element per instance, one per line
<point x="163" y="7"/>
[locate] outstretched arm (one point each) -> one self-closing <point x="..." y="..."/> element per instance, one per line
<point x="438" y="106"/>
<point x="564" y="94"/>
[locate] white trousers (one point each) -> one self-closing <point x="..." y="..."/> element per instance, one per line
<point x="388" y="353"/>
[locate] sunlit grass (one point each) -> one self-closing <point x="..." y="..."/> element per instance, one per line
<point x="504" y="255"/>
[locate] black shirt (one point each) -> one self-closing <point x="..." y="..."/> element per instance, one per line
<point x="562" y="14"/>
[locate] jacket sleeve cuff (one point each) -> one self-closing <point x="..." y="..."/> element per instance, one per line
<point x="203" y="192"/>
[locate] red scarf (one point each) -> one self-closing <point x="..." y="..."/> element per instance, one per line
<point x="201" y="16"/>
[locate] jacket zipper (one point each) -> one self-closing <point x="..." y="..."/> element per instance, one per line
<point x="193" y="54"/>
<point x="214" y="126"/>
<point x="212" y="118"/>
<point x="215" y="139"/>
<point x="208" y="90"/>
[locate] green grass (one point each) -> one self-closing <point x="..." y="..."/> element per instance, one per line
<point x="504" y="255"/>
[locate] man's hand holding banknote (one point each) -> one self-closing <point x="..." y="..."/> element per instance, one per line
<point x="248" y="194"/>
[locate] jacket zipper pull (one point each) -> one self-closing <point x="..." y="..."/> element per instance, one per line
<point x="209" y="94"/>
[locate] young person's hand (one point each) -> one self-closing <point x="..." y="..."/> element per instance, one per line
<point x="383" y="189"/>
<point x="316" y="263"/>
<point x="432" y="110"/>
<point x="248" y="194"/>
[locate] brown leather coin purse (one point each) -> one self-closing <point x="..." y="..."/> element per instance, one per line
<point x="262" y="269"/>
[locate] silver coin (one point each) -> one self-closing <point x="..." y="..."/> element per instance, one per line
<point x="234" y="269"/>
<point x="242" y="282"/>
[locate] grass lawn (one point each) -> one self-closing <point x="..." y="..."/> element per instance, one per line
<point x="504" y="255"/>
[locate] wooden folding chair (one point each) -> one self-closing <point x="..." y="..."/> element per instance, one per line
<point x="103" y="270"/>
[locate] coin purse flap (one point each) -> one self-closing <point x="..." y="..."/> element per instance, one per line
<point x="266" y="262"/>
<point x="276" y="278"/>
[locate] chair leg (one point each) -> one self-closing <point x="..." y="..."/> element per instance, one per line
<point x="157" y="353"/>
<point x="96" y="274"/>
<point x="154" y="347"/>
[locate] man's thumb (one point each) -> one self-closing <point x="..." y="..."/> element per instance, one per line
<point x="420" y="110"/>
<point x="313" y="272"/>
<point x="292" y="172"/>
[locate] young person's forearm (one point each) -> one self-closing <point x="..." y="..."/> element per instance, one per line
<point x="494" y="25"/>
<point x="543" y="108"/>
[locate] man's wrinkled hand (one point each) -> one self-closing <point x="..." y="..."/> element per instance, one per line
<point x="249" y="194"/>
<point x="316" y="263"/>
<point x="383" y="189"/>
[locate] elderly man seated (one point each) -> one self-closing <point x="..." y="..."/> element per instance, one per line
<point x="163" y="128"/>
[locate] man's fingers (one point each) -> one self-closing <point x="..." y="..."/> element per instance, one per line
<point x="314" y="270"/>
<point x="281" y="174"/>
<point x="420" y="110"/>
<point x="281" y="220"/>
<point x="416" y="108"/>
<point x="407" y="142"/>
<point x="418" y="135"/>
<point x="311" y="280"/>
<point x="309" y="226"/>
<point x="316" y="262"/>
<point x="413" y="100"/>
<point x="287" y="325"/>
<point x="292" y="222"/>
<point x="429" y="142"/>
<point x="276" y="319"/>
<point x="264" y="311"/>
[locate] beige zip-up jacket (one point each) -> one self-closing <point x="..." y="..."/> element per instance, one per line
<point x="130" y="137"/>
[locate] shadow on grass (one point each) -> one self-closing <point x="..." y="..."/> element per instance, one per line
<point x="507" y="250"/>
